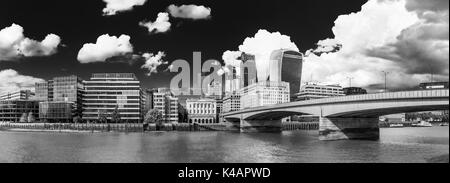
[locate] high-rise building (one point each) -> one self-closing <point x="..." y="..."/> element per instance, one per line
<point x="311" y="91"/>
<point x="202" y="111"/>
<point x="286" y="66"/>
<point x="248" y="69"/>
<point x="18" y="95"/>
<point x="354" y="91"/>
<point x="214" y="90"/>
<point x="106" y="91"/>
<point x="19" y="111"/>
<point x="264" y="93"/>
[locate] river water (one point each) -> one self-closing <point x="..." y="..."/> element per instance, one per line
<point x="395" y="145"/>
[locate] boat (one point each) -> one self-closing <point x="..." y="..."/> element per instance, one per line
<point x="396" y="126"/>
<point x="423" y="124"/>
<point x="443" y="124"/>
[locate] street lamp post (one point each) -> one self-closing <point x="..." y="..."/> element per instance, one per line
<point x="385" y="80"/>
<point x="350" y="81"/>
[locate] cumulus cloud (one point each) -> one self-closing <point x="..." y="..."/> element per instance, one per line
<point x="152" y="62"/>
<point x="13" y="44"/>
<point x="408" y="38"/>
<point x="189" y="11"/>
<point x="11" y="80"/>
<point x="115" y="6"/>
<point x="160" y="25"/>
<point x="106" y="47"/>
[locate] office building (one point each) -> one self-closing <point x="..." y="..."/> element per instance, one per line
<point x="44" y="91"/>
<point x="62" y="89"/>
<point x="354" y="91"/>
<point x="106" y="91"/>
<point x="311" y="91"/>
<point x="286" y="66"/>
<point x="231" y="103"/>
<point x="56" y="112"/>
<point x="248" y="70"/>
<point x="18" y="95"/>
<point x="202" y="111"/>
<point x="214" y="90"/>
<point x="264" y="93"/>
<point x="19" y="111"/>
<point x="163" y="100"/>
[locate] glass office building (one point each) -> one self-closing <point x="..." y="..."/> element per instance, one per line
<point x="286" y="66"/>
<point x="18" y="110"/>
<point x="106" y="91"/>
<point x="62" y="89"/>
<point x="56" y="112"/>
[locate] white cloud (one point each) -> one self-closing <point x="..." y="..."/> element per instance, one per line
<point x="115" y="6"/>
<point x="385" y="36"/>
<point x="189" y="11"/>
<point x="262" y="45"/>
<point x="13" y="44"/>
<point x="152" y="62"/>
<point x="11" y="80"/>
<point x="106" y="47"/>
<point x="161" y="24"/>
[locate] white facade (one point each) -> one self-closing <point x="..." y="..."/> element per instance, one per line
<point x="311" y="91"/>
<point x="17" y="95"/>
<point x="264" y="94"/>
<point x="164" y="101"/>
<point x="202" y="111"/>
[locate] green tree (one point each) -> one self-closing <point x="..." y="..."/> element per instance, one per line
<point x="182" y="114"/>
<point x="154" y="116"/>
<point x="31" y="118"/>
<point x="115" y="115"/>
<point x="77" y="119"/>
<point x="102" y="117"/>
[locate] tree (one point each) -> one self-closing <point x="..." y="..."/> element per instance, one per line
<point x="182" y="114"/>
<point x="115" y="115"/>
<point x="154" y="116"/>
<point x="23" y="118"/>
<point x="77" y="119"/>
<point x="102" y="117"/>
<point x="31" y="118"/>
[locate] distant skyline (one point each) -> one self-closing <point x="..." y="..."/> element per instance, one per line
<point x="354" y="38"/>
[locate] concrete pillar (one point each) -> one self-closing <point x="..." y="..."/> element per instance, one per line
<point x="348" y="128"/>
<point x="260" y="126"/>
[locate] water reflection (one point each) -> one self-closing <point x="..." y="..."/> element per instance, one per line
<point x="395" y="145"/>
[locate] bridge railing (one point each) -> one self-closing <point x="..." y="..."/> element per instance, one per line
<point x="438" y="93"/>
<point x="383" y="96"/>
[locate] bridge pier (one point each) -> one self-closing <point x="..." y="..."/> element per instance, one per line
<point x="248" y="126"/>
<point x="348" y="128"/>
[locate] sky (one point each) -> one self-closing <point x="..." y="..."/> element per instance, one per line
<point x="356" y="39"/>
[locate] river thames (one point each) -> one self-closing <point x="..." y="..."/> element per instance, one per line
<point x="396" y="145"/>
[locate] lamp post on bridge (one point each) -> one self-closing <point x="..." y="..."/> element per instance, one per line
<point x="350" y="81"/>
<point x="385" y="80"/>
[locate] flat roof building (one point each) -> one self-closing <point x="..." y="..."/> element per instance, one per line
<point x="311" y="91"/>
<point x="18" y="95"/>
<point x="19" y="111"/>
<point x="106" y="91"/>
